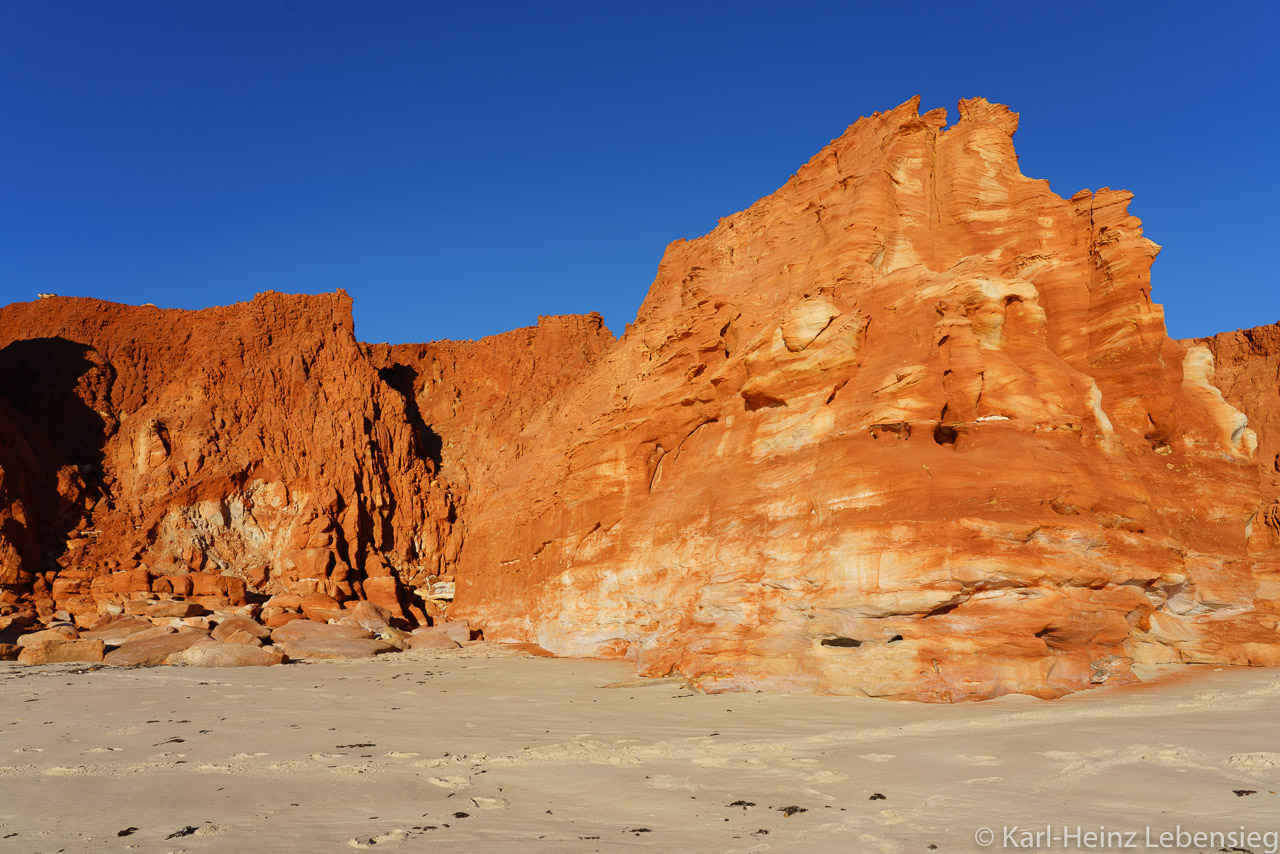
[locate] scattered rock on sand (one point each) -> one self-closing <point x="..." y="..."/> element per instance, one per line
<point x="148" y="634"/>
<point x="241" y="637"/>
<point x="319" y="606"/>
<point x="56" y="651"/>
<point x="153" y="650"/>
<point x="116" y="629"/>
<point x="457" y="630"/>
<point x="211" y="653"/>
<point x="280" y="618"/>
<point x="300" y="630"/>
<point x="369" y="616"/>
<point x="432" y="638"/>
<point x="334" y="647"/>
<point x="60" y="633"/>
<point x="229" y="629"/>
<point x="174" y="608"/>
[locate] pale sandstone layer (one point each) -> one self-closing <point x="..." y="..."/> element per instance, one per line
<point x="911" y="426"/>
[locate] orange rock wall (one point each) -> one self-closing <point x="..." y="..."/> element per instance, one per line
<point x="253" y="441"/>
<point x="911" y="426"/>
<point x="1248" y="373"/>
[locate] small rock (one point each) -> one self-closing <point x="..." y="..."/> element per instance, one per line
<point x="56" y="651"/>
<point x="211" y="653"/>
<point x="318" y="602"/>
<point x="274" y="619"/>
<point x="432" y="638"/>
<point x="61" y="633"/>
<point x="152" y="651"/>
<point x="456" y="630"/>
<point x="299" y="630"/>
<point x="173" y="608"/>
<point x="240" y="637"/>
<point x="240" y="625"/>
<point x="114" y="630"/>
<point x="369" y="616"/>
<point x="327" y="648"/>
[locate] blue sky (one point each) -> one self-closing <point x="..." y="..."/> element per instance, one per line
<point x="462" y="168"/>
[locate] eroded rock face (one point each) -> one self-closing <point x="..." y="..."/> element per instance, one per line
<point x="911" y="426"/>
<point x="194" y="455"/>
<point x="490" y="402"/>
<point x="1247" y="370"/>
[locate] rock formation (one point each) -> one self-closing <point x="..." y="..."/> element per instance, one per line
<point x="909" y="427"/>
<point x="194" y="453"/>
<point x="1247" y="370"/>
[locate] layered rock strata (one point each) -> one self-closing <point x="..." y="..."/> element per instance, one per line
<point x="909" y="427"/>
<point x="912" y="427"/>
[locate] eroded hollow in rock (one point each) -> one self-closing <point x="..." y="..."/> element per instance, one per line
<point x="758" y="400"/>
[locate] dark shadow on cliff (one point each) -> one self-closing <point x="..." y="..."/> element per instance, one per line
<point x="58" y="390"/>
<point x="402" y="378"/>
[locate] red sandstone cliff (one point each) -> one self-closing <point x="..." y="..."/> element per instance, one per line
<point x="911" y="426"/>
<point x="1248" y="372"/>
<point x="253" y="442"/>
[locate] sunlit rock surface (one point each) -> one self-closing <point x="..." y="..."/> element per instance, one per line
<point x="910" y="427"/>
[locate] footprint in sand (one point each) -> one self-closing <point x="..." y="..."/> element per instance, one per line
<point x="249" y="755"/>
<point x="102" y="749"/>
<point x="450" y="782"/>
<point x="490" y="803"/>
<point x="976" y="759"/>
<point x="65" y="771"/>
<point x="397" y="835"/>
<point x="665" y="781"/>
<point x="1258" y="764"/>
<point x="729" y="762"/>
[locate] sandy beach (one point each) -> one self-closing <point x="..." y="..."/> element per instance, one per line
<point x="485" y="749"/>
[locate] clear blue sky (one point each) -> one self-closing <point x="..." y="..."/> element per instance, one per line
<point x="462" y="168"/>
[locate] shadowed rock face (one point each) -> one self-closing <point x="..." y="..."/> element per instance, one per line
<point x="911" y="427"/>
<point x="253" y="440"/>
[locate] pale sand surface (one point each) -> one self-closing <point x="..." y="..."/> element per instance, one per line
<point x="542" y="758"/>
